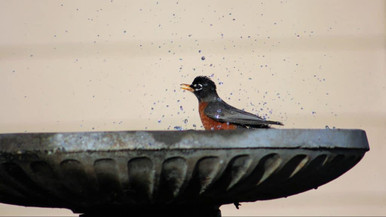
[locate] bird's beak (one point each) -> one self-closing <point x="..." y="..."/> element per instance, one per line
<point x="187" y="87"/>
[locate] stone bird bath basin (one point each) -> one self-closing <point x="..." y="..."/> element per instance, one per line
<point x="177" y="173"/>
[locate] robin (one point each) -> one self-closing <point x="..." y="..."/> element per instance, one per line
<point x="216" y="114"/>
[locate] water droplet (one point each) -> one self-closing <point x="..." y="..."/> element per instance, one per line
<point x="178" y="128"/>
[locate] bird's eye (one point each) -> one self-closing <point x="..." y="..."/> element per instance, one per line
<point x="197" y="87"/>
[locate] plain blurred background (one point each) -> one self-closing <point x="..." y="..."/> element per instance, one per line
<point x="117" y="65"/>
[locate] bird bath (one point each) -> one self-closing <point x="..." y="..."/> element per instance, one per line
<point x="184" y="173"/>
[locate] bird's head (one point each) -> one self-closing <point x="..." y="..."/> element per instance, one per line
<point x="202" y="87"/>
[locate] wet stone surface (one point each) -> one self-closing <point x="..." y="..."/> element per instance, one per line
<point x="101" y="171"/>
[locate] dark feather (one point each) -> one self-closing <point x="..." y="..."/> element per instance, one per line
<point x="232" y="115"/>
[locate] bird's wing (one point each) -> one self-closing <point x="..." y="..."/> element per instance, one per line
<point x="223" y="112"/>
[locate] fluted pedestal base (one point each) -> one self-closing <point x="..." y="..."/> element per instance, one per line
<point x="169" y="211"/>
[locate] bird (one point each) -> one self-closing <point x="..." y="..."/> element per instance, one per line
<point x="215" y="114"/>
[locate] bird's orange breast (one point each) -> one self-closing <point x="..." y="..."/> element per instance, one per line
<point x="209" y="123"/>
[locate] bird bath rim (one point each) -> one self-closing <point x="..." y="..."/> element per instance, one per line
<point x="186" y="139"/>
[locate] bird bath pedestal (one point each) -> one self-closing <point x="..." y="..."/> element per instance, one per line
<point x="176" y="173"/>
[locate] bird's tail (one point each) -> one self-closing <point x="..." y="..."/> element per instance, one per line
<point x="273" y="123"/>
<point x="264" y="124"/>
